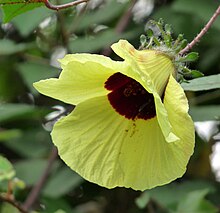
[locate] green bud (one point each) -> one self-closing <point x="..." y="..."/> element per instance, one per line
<point x="17" y="183"/>
<point x="178" y="40"/>
<point x="143" y="40"/>
<point x="167" y="39"/>
<point x="182" y="44"/>
<point x="168" y="28"/>
<point x="180" y="37"/>
<point x="161" y="22"/>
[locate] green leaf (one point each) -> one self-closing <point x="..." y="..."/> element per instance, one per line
<point x="60" y="211"/>
<point x="36" y="139"/>
<point x="92" y="44"/>
<point x="29" y="21"/>
<point x="164" y="195"/>
<point x="107" y="14"/>
<point x="56" y="206"/>
<point x="195" y="202"/>
<point x="8" y="208"/>
<point x="196" y="74"/>
<point x="193" y="56"/>
<point x="9" y="134"/>
<point x="55" y="187"/>
<point x="32" y="72"/>
<point x="7" y="76"/>
<point x="204" y="83"/>
<point x="8" y="47"/>
<point x="31" y="170"/>
<point x="205" y="113"/>
<point x="6" y="169"/>
<point x="9" y="112"/>
<point x="17" y="7"/>
<point x="102" y="39"/>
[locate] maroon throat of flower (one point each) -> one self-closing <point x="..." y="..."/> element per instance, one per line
<point x="129" y="98"/>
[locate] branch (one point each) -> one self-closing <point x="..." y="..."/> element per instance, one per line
<point x="123" y="22"/>
<point x="202" y="33"/>
<point x="35" y="192"/>
<point x="13" y="203"/>
<point x="62" y="6"/>
<point x="64" y="35"/>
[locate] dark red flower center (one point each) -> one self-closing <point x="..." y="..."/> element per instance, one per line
<point x="129" y="98"/>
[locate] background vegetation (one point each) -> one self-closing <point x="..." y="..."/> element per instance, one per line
<point x="29" y="47"/>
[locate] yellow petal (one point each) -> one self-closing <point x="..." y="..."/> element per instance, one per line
<point x="163" y="120"/>
<point x="85" y="57"/>
<point x="78" y="81"/>
<point x="176" y="105"/>
<point x="150" y="68"/>
<point x="107" y="149"/>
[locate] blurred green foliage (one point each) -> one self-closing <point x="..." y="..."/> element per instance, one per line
<point x="29" y="47"/>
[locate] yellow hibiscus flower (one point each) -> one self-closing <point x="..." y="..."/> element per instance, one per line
<point x="131" y="126"/>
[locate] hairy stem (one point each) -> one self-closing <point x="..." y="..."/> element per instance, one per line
<point x="202" y="33"/>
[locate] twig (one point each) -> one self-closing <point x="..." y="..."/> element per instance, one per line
<point x="123" y="22"/>
<point x="150" y="207"/>
<point x="64" y="35"/>
<point x="13" y="203"/>
<point x="62" y="6"/>
<point x="121" y="25"/>
<point x="35" y="192"/>
<point x="202" y="32"/>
